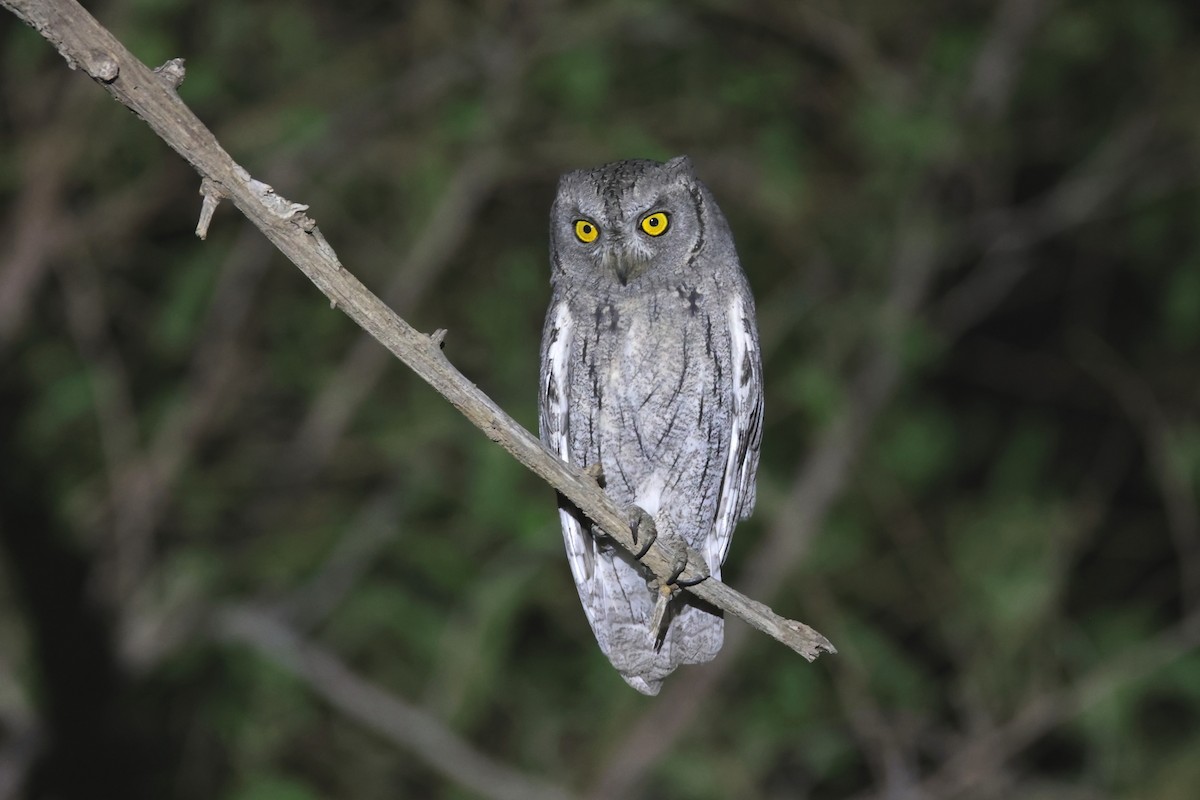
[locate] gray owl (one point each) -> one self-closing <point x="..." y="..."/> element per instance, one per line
<point x="651" y="375"/>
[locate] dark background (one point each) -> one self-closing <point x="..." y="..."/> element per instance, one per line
<point x="244" y="554"/>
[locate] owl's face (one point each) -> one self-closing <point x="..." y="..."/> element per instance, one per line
<point x="626" y="222"/>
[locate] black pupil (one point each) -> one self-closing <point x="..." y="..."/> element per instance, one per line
<point x="653" y="222"/>
<point x="587" y="228"/>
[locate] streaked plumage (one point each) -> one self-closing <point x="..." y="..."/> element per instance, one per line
<point x="650" y="369"/>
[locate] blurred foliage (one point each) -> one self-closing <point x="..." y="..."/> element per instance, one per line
<point x="1011" y="571"/>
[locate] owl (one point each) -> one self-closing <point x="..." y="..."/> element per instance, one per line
<point x="651" y="377"/>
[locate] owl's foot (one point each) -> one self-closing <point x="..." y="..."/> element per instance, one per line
<point x="658" y="619"/>
<point x="641" y="525"/>
<point x="668" y="588"/>
<point x="679" y="558"/>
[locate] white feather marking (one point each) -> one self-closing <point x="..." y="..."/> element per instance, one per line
<point x="553" y="405"/>
<point x="745" y="436"/>
<point x="554" y="402"/>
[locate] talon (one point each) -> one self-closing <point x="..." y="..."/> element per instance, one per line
<point x="668" y="588"/>
<point x="637" y="519"/>
<point x="701" y="570"/>
<point x="658" y="619"/>
<point x="679" y="560"/>
<point x="678" y="550"/>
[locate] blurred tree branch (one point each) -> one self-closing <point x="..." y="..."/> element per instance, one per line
<point x="923" y="251"/>
<point x="451" y="216"/>
<point x="409" y="727"/>
<point x="981" y="759"/>
<point x="1020" y="515"/>
<point x="19" y="743"/>
<point x="332" y="410"/>
<point x="1159" y="435"/>
<point x="38" y="224"/>
<point x="151" y="94"/>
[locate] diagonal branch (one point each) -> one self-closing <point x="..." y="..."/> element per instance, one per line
<point x="151" y="95"/>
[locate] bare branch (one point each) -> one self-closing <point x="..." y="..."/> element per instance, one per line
<point x="89" y="46"/>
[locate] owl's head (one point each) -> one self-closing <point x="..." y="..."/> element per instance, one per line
<point x="629" y="220"/>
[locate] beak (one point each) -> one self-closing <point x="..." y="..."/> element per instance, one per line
<point x="624" y="264"/>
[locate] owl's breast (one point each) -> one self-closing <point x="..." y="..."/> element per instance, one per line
<point x="653" y="379"/>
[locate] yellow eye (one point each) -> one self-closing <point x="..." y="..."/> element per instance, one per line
<point x="586" y="231"/>
<point x="655" y="224"/>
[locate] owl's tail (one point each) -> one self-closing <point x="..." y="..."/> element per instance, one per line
<point x="621" y="612"/>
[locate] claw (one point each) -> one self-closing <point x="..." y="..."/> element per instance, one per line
<point x="641" y="522"/>
<point x="658" y="619"/>
<point x="669" y="587"/>
<point x="679" y="558"/>
<point x="702" y="576"/>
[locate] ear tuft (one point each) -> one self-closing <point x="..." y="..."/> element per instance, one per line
<point x="680" y="165"/>
<point x="567" y="178"/>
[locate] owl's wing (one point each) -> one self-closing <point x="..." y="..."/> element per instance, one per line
<point x="745" y="435"/>
<point x="552" y="424"/>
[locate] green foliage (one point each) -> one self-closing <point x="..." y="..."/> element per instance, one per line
<point x="818" y="392"/>
<point x="920" y="449"/>
<point x="183" y="302"/>
<point x="577" y="81"/>
<point x="273" y="787"/>
<point x="1005" y="557"/>
<point x="1181" y="305"/>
